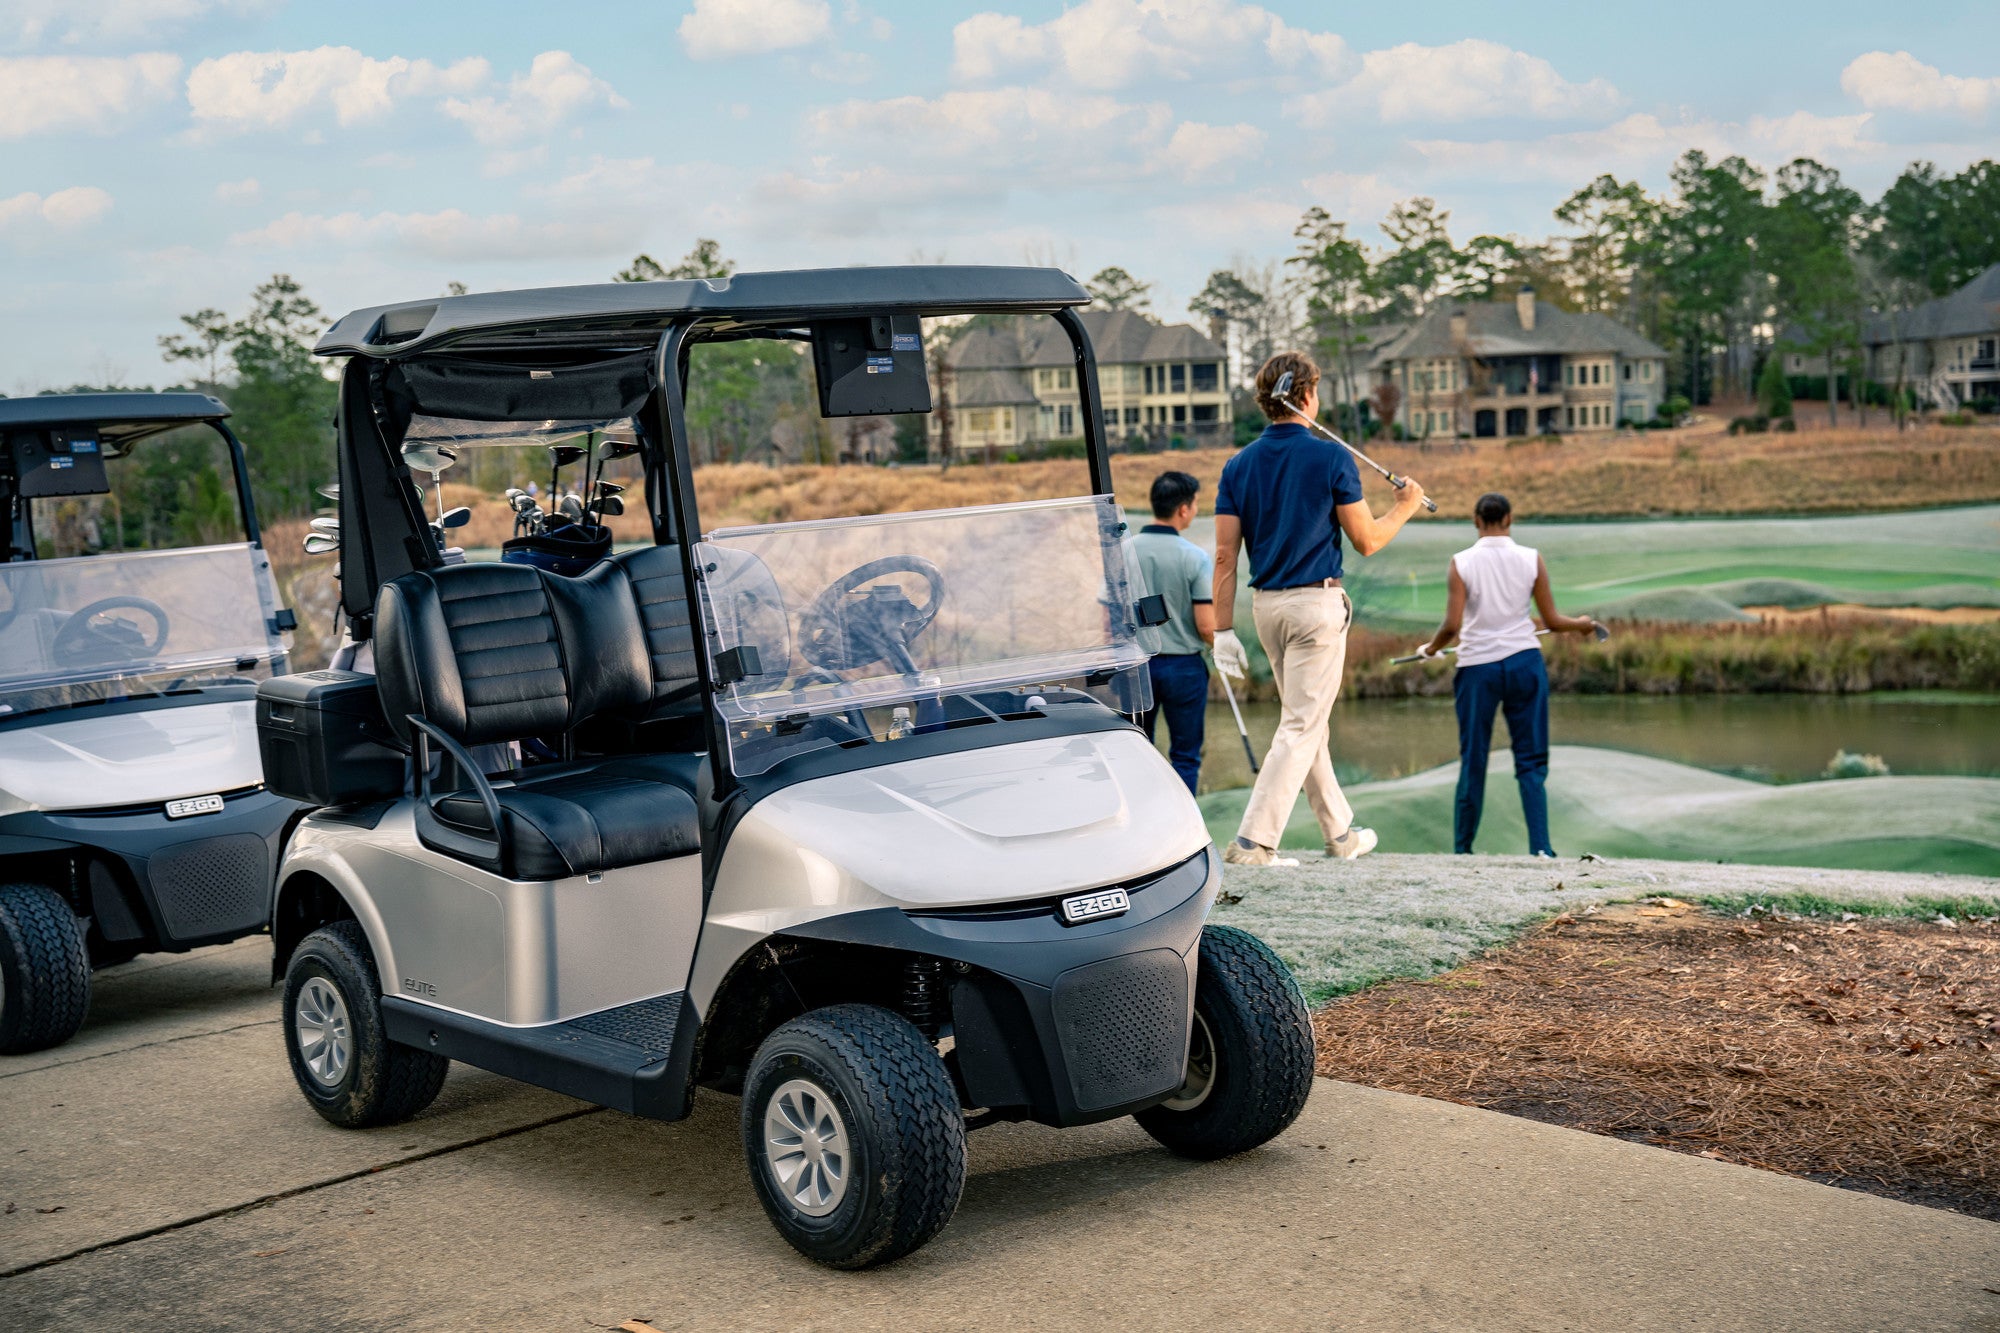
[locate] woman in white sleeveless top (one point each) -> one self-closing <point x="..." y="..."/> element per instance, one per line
<point x="1500" y="667"/>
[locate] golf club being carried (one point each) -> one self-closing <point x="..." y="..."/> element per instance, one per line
<point x="1282" y="392"/>
<point x="1598" y="634"/>
<point x="1241" y="730"/>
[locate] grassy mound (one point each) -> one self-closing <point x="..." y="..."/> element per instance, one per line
<point x="1621" y="805"/>
<point x="1685" y="606"/>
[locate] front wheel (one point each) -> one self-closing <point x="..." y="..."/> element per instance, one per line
<point x="44" y="969"/>
<point x="1250" y="1058"/>
<point x="855" y="1136"/>
<point x="341" y="1054"/>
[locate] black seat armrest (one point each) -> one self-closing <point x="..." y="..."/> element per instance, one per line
<point x="493" y="851"/>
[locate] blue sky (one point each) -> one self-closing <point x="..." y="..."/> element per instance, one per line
<point x="157" y="156"/>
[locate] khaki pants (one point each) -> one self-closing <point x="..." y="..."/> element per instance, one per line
<point x="1304" y="632"/>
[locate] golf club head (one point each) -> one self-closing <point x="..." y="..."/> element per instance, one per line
<point x="318" y="543"/>
<point x="615" y="449"/>
<point x="328" y="526"/>
<point x="455" y="518"/>
<point x="431" y="458"/>
<point x="608" y="505"/>
<point x="605" y="488"/>
<point x="1600" y="632"/>
<point x="571" y="508"/>
<point x="562" y="455"/>
<point x="331" y="491"/>
<point x="1283" y="387"/>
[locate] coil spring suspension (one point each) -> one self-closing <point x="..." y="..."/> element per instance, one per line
<point x="923" y="995"/>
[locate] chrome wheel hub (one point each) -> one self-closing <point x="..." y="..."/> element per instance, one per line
<point x="1200" y="1080"/>
<point x="805" y="1147"/>
<point x="326" y="1040"/>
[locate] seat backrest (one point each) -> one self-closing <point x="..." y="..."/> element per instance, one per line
<point x="499" y="652"/>
<point x="659" y="592"/>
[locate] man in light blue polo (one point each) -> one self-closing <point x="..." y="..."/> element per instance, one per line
<point x="1181" y="572"/>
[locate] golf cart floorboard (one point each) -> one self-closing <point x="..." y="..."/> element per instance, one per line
<point x="634" y="1058"/>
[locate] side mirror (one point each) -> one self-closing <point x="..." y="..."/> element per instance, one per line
<point x="456" y="518"/>
<point x="318" y="543"/>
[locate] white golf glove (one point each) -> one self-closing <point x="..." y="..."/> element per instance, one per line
<point x="1424" y="650"/>
<point x="1231" y="659"/>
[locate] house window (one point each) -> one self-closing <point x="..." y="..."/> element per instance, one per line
<point x="1131" y="416"/>
<point x="1180" y="414"/>
<point x="1179" y="374"/>
<point x="1646" y="371"/>
<point x="1048" y="418"/>
<point x="979" y="419"/>
<point x="1063" y="378"/>
<point x="1131" y="379"/>
<point x="1205" y="412"/>
<point x="1207" y="376"/>
<point x="1627" y="371"/>
<point x="1596" y="373"/>
<point x="1569" y="374"/>
<point x="1110" y="417"/>
<point x="1569" y="416"/>
<point x="1066" y="415"/>
<point x="1149" y="379"/>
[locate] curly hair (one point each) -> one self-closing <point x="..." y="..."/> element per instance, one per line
<point x="1305" y="376"/>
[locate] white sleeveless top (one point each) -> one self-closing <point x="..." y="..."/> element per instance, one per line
<point x="1499" y="587"/>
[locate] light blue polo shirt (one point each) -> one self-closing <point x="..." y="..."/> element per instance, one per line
<point x="1179" y="571"/>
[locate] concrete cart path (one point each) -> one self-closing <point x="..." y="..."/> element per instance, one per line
<point x="1376" y="1211"/>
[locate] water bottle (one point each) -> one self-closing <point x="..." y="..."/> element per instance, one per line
<point x="900" y="724"/>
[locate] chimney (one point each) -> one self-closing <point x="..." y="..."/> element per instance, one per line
<point x="1524" y="306"/>
<point x="1458" y="326"/>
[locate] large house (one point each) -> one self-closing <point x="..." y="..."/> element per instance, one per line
<point x="1012" y="383"/>
<point x="1945" y="348"/>
<point x="1520" y="367"/>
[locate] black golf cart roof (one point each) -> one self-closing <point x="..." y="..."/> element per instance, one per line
<point x="749" y="299"/>
<point x="122" y="419"/>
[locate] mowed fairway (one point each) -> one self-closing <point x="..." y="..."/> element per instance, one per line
<point x="1618" y="804"/>
<point x="1645" y="569"/>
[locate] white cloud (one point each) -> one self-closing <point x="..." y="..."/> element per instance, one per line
<point x="999" y="129"/>
<point x="252" y="90"/>
<point x="1881" y="81"/>
<point x="1643" y="143"/>
<point x="1472" y="79"/>
<point x="85" y="22"/>
<point x="238" y="192"/>
<point x="28" y="213"/>
<point x="556" y="87"/>
<point x="1204" y="152"/>
<point x="719" y="29"/>
<point x="451" y="234"/>
<point x="1109" y="44"/>
<point x="50" y="94"/>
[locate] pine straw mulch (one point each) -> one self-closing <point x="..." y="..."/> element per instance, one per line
<point x="1862" y="1053"/>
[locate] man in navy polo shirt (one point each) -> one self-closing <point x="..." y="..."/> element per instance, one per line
<point x="1282" y="496"/>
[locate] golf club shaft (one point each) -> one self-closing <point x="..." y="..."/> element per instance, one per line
<point x="1324" y="433"/>
<point x="1598" y="632"/>
<point x="1241" y="730"/>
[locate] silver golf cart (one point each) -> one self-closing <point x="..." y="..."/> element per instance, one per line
<point x="137" y="613"/>
<point x="861" y="829"/>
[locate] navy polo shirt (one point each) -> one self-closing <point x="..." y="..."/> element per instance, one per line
<point x="1284" y="487"/>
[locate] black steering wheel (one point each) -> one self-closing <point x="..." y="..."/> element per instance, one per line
<point x="855" y="622"/>
<point x="94" y="637"/>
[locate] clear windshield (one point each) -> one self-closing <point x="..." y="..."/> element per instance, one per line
<point x="825" y="620"/>
<point x="101" y="626"/>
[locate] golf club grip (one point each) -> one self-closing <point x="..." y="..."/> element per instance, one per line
<point x="1248" y="753"/>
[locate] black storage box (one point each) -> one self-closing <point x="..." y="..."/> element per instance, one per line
<point x="324" y="740"/>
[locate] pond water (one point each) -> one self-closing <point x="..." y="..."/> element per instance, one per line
<point x="1770" y="737"/>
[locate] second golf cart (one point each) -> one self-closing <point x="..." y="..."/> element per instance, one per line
<point x="848" y="817"/>
<point x="137" y="614"/>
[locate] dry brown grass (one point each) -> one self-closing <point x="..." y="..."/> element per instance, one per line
<point x="1668" y="473"/>
<point x="1865" y="1053"/>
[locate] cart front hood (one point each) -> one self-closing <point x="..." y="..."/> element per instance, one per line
<point x="987" y="825"/>
<point x="131" y="758"/>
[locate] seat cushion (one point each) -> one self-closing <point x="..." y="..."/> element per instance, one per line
<point x="580" y="819"/>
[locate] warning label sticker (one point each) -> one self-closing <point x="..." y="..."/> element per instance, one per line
<point x="881" y="365"/>
<point x="905" y="342"/>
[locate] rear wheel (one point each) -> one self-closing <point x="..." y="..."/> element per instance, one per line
<point x="1250" y="1056"/>
<point x="855" y="1136"/>
<point x="341" y="1055"/>
<point x="44" y="969"/>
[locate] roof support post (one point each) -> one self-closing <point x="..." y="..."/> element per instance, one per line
<point x="1096" y="447"/>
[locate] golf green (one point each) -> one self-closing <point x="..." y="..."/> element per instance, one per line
<point x="1619" y="804"/>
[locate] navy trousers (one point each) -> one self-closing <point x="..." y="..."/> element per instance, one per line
<point x="1180" y="691"/>
<point x="1519" y="687"/>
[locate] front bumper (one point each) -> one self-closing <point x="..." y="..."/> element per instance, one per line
<point x="1062" y="1024"/>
